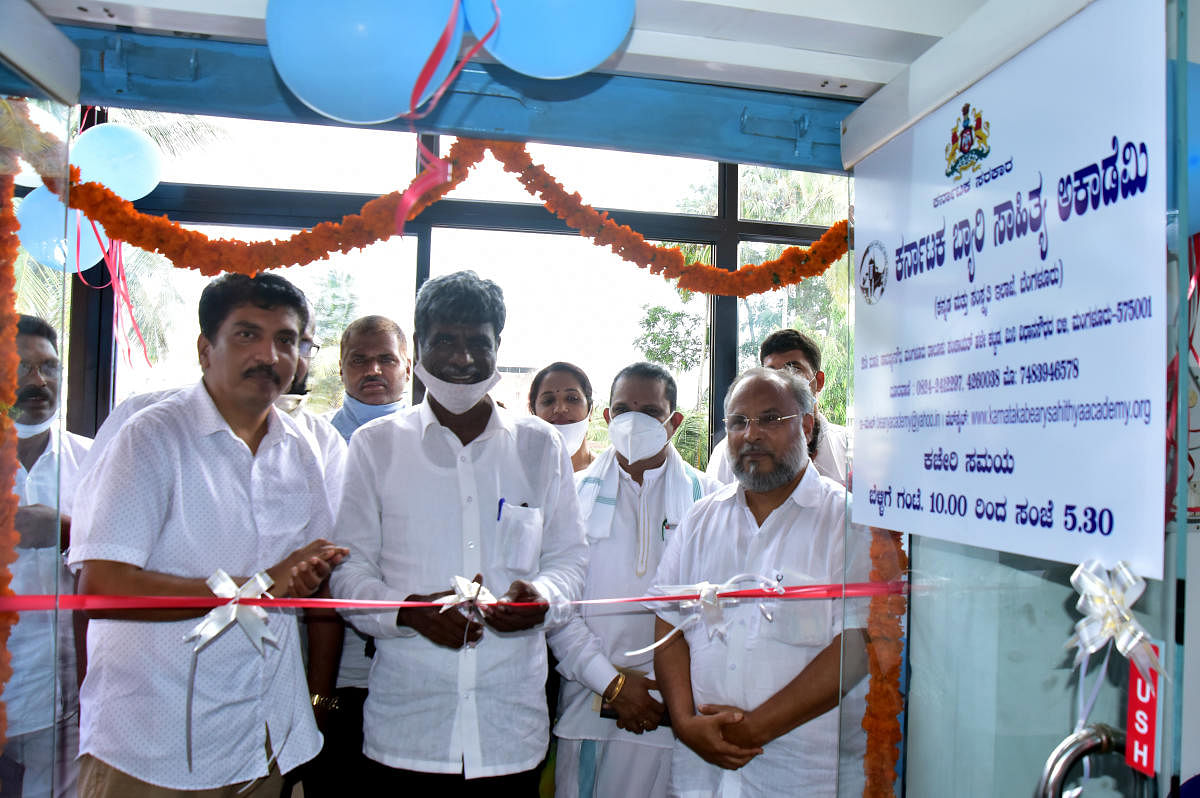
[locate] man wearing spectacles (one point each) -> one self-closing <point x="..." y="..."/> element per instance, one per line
<point x="36" y="726"/>
<point x="827" y="445"/>
<point x="754" y="703"/>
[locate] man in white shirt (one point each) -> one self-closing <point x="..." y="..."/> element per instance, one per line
<point x="212" y="477"/>
<point x="43" y="712"/>
<point x="632" y="498"/>
<point x="829" y="442"/>
<point x="374" y="369"/>
<point x="456" y="486"/>
<point x="754" y="694"/>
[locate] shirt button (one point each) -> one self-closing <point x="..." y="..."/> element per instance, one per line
<point x="733" y="667"/>
<point x="470" y="499"/>
<point x="462" y="458"/>
<point x="470" y="544"/>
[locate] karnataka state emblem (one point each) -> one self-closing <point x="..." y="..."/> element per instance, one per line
<point x="968" y="143"/>
<point x="872" y="272"/>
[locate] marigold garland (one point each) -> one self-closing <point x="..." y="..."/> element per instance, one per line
<point x="376" y="222"/>
<point x="8" y="435"/>
<point x="881" y="721"/>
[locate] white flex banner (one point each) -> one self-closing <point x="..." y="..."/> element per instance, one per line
<point x="1010" y="327"/>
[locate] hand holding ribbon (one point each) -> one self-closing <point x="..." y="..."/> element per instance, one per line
<point x="450" y="629"/>
<point x="1106" y="599"/>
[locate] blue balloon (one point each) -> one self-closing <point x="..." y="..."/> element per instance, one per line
<point x="552" y="38"/>
<point x="123" y="158"/>
<point x="41" y="216"/>
<point x="357" y="61"/>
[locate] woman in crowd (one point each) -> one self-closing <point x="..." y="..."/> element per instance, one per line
<point x="562" y="394"/>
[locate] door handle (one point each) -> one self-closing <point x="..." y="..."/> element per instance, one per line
<point x="1098" y="738"/>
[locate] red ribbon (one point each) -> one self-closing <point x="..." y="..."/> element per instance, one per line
<point x="41" y="602"/>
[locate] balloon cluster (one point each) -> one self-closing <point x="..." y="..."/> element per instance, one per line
<point x="124" y="159"/>
<point x="358" y="61"/>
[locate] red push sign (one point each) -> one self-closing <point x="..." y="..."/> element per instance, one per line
<point x="1141" y="722"/>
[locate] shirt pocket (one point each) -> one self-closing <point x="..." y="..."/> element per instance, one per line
<point x="800" y="622"/>
<point x="519" y="536"/>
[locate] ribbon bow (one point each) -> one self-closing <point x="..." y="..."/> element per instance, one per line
<point x="1106" y="599"/>
<point x="712" y="613"/>
<point x="252" y="620"/>
<point x="466" y="592"/>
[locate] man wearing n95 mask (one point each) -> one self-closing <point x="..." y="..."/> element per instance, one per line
<point x="632" y="497"/>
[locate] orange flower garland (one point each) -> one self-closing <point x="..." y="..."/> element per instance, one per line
<point x="794" y="265"/>
<point x="376" y="222"/>
<point x="881" y="721"/>
<point x="8" y="434"/>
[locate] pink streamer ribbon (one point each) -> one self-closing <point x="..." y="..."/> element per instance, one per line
<point x="41" y="602"/>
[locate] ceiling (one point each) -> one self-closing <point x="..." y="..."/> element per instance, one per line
<point x="837" y="48"/>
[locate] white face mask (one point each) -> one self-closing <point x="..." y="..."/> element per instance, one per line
<point x="637" y="436"/>
<point x="572" y="434"/>
<point x="454" y="396"/>
<point x="29" y="430"/>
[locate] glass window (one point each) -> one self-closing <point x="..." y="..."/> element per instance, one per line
<point x="604" y="178"/>
<point x="250" y="152"/>
<point x="570" y="300"/>
<point x="376" y="280"/>
<point x="783" y="195"/>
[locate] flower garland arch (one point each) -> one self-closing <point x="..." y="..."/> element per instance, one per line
<point x="375" y="222"/>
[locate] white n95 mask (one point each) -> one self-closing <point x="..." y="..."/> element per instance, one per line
<point x="637" y="436"/>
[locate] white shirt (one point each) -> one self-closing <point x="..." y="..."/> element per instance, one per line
<point x="420" y="508"/>
<point x="39" y="572"/>
<point x="177" y="492"/>
<point x="830" y="459"/>
<point x="803" y="541"/>
<point x="322" y="435"/>
<point x="621" y="563"/>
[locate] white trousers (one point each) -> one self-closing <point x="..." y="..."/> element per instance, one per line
<point x="610" y="769"/>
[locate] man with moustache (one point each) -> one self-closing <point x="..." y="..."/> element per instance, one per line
<point x="457" y="486"/>
<point x="754" y="703"/>
<point x="43" y="735"/>
<point x="375" y="369"/>
<point x="632" y="497"/>
<point x="213" y="477"/>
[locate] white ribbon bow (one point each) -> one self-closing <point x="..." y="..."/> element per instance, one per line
<point x="1106" y="599"/>
<point x="712" y="613"/>
<point x="252" y="620"/>
<point x="466" y="592"/>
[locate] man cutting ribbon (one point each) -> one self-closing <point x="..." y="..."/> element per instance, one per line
<point x="223" y="480"/>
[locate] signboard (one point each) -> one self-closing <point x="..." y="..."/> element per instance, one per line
<point x="1141" y="721"/>
<point x="1010" y="314"/>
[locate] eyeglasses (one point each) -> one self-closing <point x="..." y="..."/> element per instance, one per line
<point x="767" y="422"/>
<point x="308" y="348"/>
<point x="49" y="369"/>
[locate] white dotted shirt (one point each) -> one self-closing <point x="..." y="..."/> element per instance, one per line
<point x="177" y="492"/>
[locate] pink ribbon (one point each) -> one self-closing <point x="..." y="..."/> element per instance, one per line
<point x="41" y="602"/>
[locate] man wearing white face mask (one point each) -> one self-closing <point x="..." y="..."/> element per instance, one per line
<point x="457" y="486"/>
<point x="632" y="497"/>
<point x="36" y="725"/>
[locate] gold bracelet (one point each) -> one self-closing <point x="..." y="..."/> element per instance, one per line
<point x="326" y="702"/>
<point x="617" y="690"/>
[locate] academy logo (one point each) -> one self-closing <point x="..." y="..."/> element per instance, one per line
<point x="968" y="143"/>
<point x="872" y="272"/>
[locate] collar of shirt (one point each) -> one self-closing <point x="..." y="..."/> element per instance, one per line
<point x="497" y="422"/>
<point x="649" y="476"/>
<point x="208" y="418"/>
<point x="807" y="492"/>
